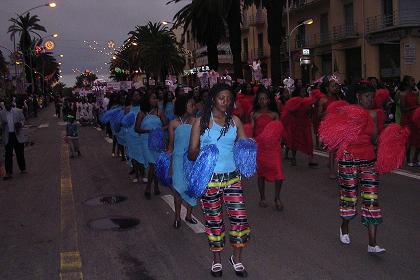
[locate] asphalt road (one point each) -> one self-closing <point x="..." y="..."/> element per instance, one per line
<point x="44" y="223"/>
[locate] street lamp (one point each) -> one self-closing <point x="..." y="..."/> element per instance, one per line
<point x="306" y="22"/>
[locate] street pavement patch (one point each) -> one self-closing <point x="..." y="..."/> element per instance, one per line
<point x="113" y="223"/>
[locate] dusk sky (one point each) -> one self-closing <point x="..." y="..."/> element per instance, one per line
<point x="79" y="20"/>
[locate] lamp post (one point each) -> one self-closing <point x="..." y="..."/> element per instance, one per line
<point x="306" y="22"/>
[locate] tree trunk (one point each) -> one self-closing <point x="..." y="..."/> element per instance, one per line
<point x="275" y="37"/>
<point x="234" y="24"/>
<point x="213" y="56"/>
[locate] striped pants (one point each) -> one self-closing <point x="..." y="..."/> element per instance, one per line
<point x="225" y="189"/>
<point x="353" y="173"/>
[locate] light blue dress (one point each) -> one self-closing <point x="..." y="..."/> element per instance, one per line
<point x="149" y="122"/>
<point x="133" y="140"/>
<point x="225" y="162"/>
<point x="169" y="111"/>
<point x="181" y="142"/>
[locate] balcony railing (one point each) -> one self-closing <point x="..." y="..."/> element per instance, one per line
<point x="260" y="53"/>
<point x="301" y="4"/>
<point x="257" y="19"/>
<point x="345" y="31"/>
<point x="399" y="18"/>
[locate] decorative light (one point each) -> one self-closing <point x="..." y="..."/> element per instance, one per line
<point x="49" y="45"/>
<point x="55" y="35"/>
<point x="61" y="55"/>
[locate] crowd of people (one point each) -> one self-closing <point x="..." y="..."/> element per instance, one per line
<point x="345" y="121"/>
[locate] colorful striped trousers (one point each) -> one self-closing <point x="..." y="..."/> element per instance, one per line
<point x="353" y="173"/>
<point x="225" y="189"/>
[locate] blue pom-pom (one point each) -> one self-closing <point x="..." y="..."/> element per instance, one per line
<point x="245" y="155"/>
<point x="163" y="164"/>
<point x="107" y="116"/>
<point x="129" y="120"/>
<point x="202" y="171"/>
<point x="116" y="120"/>
<point x="156" y="140"/>
<point x="188" y="166"/>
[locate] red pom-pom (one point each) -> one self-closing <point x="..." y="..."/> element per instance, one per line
<point x="381" y="96"/>
<point x="249" y="131"/>
<point x="317" y="94"/>
<point x="344" y="126"/>
<point x="293" y="104"/>
<point x="335" y="105"/>
<point x="272" y="132"/>
<point x="391" y="148"/>
<point x="416" y="117"/>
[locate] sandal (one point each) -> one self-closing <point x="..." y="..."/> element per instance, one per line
<point x="216" y="269"/>
<point x="279" y="205"/>
<point x="263" y="204"/>
<point x="177" y="224"/>
<point x="191" y="221"/>
<point x="239" y="268"/>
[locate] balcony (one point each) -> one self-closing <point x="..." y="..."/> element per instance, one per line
<point x="260" y="53"/>
<point x="245" y="57"/>
<point x="296" y="5"/>
<point x="257" y="19"/>
<point x="398" y="19"/>
<point x="345" y="31"/>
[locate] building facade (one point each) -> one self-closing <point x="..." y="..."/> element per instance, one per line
<point x="355" y="38"/>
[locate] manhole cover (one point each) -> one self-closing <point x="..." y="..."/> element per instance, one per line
<point x="115" y="223"/>
<point x="105" y="200"/>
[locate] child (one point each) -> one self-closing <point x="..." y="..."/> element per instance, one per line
<point x="72" y="134"/>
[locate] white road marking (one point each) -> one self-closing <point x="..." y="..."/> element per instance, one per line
<point x="109" y="140"/>
<point x="99" y="129"/>
<point x="198" y="228"/>
<point x="398" y="171"/>
<point x="62" y="123"/>
<point x="44" y="125"/>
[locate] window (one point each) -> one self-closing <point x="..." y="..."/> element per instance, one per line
<point x="324" y="28"/>
<point x="388" y="12"/>
<point x="260" y="45"/>
<point x="300" y="37"/>
<point x="245" y="49"/>
<point x="348" y="14"/>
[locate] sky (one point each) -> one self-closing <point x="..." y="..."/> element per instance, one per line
<point x="86" y="20"/>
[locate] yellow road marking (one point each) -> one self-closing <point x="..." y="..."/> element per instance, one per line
<point x="71" y="276"/>
<point x="70" y="259"/>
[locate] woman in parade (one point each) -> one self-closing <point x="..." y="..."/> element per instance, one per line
<point x="356" y="168"/>
<point x="218" y="126"/>
<point x="298" y="123"/>
<point x="133" y="139"/>
<point x="409" y="102"/>
<point x="330" y="88"/>
<point x="149" y="118"/>
<point x="269" y="165"/>
<point x="179" y="136"/>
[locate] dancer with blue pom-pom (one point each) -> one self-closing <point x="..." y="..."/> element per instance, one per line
<point x="218" y="127"/>
<point x="148" y="119"/>
<point x="269" y="165"/>
<point x="179" y="137"/>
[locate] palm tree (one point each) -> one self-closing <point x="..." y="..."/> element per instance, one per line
<point x="26" y="26"/>
<point x="156" y="51"/>
<point x="3" y="65"/>
<point x="46" y="65"/>
<point x="231" y="15"/>
<point x="275" y="33"/>
<point x="208" y="25"/>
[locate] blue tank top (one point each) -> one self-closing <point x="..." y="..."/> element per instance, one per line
<point x="225" y="162"/>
